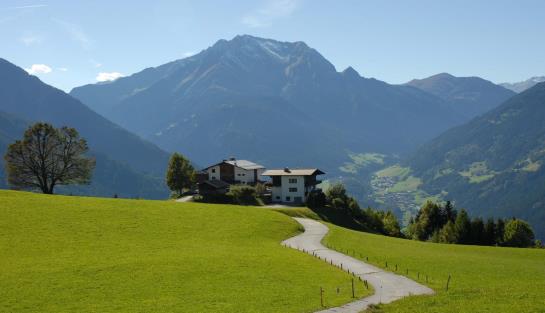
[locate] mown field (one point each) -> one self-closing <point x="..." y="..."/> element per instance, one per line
<point x="484" y="279"/>
<point x="77" y="254"/>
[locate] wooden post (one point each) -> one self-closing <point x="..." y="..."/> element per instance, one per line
<point x="353" y="292"/>
<point x="366" y="285"/>
<point x="322" y="296"/>
<point x="386" y="264"/>
<point x="396" y="267"/>
<point x="448" y="281"/>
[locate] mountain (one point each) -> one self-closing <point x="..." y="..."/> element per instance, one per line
<point x="468" y="96"/>
<point x="521" y="86"/>
<point x="126" y="164"/>
<point x="495" y="164"/>
<point x="278" y="103"/>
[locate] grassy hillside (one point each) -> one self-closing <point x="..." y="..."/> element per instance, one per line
<point x="76" y="254"/>
<point x="484" y="279"/>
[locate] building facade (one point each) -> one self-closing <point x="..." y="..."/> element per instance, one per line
<point x="235" y="171"/>
<point x="293" y="185"/>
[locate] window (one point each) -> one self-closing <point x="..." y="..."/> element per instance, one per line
<point x="293" y="189"/>
<point x="213" y="177"/>
<point x="278" y="197"/>
<point x="213" y="170"/>
<point x="292" y="180"/>
<point x="288" y="198"/>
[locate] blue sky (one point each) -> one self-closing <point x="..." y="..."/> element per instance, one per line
<point x="71" y="43"/>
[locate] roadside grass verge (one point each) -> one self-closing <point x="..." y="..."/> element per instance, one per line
<point x="82" y="254"/>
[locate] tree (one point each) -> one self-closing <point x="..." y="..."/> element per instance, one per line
<point x="337" y="197"/>
<point x="477" y="231"/>
<point x="450" y="212"/>
<point x="462" y="227"/>
<point x="447" y="234"/>
<point x="47" y="157"/>
<point x="518" y="233"/>
<point x="180" y="173"/>
<point x="391" y="225"/>
<point x="489" y="236"/>
<point x="499" y="231"/>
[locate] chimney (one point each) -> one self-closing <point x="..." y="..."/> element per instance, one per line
<point x="287" y="170"/>
<point x="232" y="159"/>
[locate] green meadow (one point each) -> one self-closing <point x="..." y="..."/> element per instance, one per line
<point x="483" y="279"/>
<point x="78" y="254"/>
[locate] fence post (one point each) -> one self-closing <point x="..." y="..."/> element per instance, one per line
<point x="448" y="281"/>
<point x="322" y="296"/>
<point x="353" y="293"/>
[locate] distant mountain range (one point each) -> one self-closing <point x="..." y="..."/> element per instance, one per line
<point x="278" y="103"/>
<point x="126" y="164"/>
<point x="468" y="96"/>
<point x="493" y="165"/>
<point x="521" y="86"/>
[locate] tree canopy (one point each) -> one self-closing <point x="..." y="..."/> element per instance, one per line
<point x="47" y="157"/>
<point x="180" y="173"/>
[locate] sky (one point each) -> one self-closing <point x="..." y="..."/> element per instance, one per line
<point x="72" y="43"/>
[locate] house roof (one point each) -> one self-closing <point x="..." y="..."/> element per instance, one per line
<point x="293" y="172"/>
<point x="215" y="183"/>
<point x="244" y="164"/>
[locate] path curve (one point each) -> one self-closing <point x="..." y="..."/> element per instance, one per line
<point x="388" y="286"/>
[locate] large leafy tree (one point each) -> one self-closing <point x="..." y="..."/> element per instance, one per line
<point x="47" y="157"/>
<point x="518" y="233"/>
<point x="180" y="173"/>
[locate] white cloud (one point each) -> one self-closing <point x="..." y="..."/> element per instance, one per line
<point x="38" y="69"/>
<point x="273" y="10"/>
<point x="29" y="40"/>
<point x="32" y="6"/>
<point x="76" y="34"/>
<point x="106" y="77"/>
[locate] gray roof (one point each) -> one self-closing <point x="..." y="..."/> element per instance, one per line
<point x="245" y="164"/>
<point x="215" y="183"/>
<point x="294" y="172"/>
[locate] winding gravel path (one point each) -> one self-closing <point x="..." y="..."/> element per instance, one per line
<point x="388" y="286"/>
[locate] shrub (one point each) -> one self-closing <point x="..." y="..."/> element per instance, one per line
<point x="518" y="233"/>
<point x="316" y="199"/>
<point x="244" y="195"/>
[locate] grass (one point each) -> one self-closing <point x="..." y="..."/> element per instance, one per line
<point x="394" y="171"/>
<point x="484" y="279"/>
<point x="360" y="161"/>
<point x="411" y="183"/>
<point x="478" y="172"/>
<point x="77" y="254"/>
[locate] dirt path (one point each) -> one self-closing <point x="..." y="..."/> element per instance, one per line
<point x="388" y="286"/>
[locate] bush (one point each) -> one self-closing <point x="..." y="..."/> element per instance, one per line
<point x="518" y="233"/>
<point x="244" y="195"/>
<point x="316" y="199"/>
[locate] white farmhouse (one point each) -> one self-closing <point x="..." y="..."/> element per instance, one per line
<point x="293" y="185"/>
<point x="235" y="171"/>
